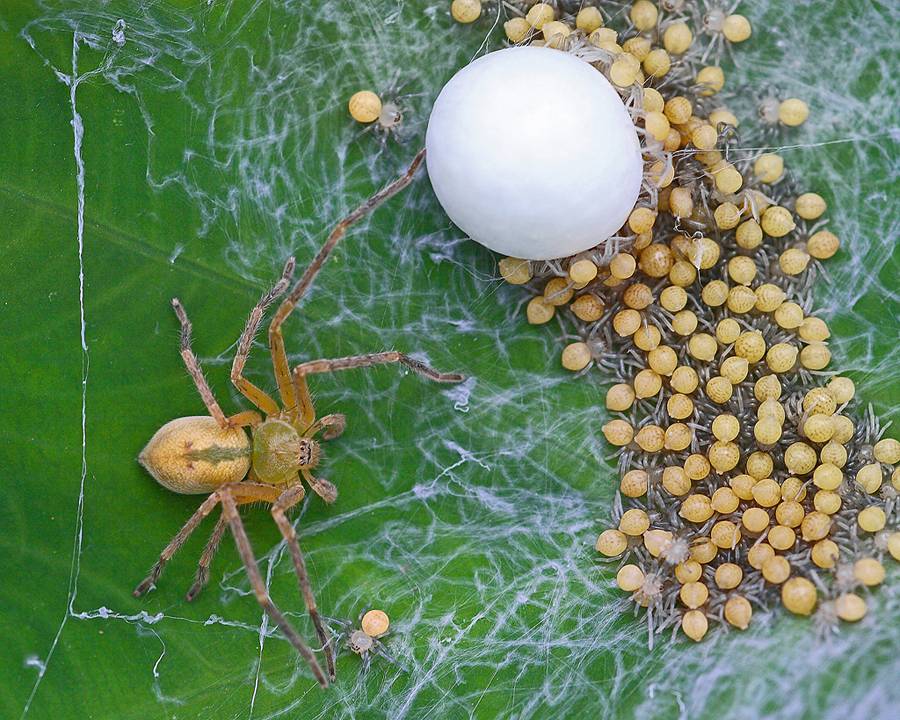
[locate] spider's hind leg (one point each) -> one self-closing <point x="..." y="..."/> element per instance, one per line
<point x="247" y="388"/>
<point x="248" y="491"/>
<point x="193" y="366"/>
<point x="209" y="552"/>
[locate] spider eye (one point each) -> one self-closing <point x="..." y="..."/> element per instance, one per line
<point x="308" y="453"/>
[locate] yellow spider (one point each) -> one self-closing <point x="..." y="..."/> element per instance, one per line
<point x="214" y="454"/>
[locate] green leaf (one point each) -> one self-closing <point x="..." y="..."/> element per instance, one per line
<point x="216" y="143"/>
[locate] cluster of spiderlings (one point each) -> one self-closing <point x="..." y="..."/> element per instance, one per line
<point x="749" y="474"/>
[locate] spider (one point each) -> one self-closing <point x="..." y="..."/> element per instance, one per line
<point x="365" y="637"/>
<point x="394" y="104"/>
<point x="214" y="454"/>
<point x="771" y="104"/>
<point x="716" y="19"/>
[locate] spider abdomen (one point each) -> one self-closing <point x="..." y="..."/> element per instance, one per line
<point x="192" y="455"/>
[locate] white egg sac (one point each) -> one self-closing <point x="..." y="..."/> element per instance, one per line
<point x="531" y="152"/>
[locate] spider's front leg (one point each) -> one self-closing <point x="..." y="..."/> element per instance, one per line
<point x="288" y="499"/>
<point x="295" y="396"/>
<point x="361" y="361"/>
<point x="229" y="510"/>
<point x="334" y="424"/>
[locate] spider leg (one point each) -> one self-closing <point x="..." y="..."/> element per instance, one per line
<point x="306" y="409"/>
<point x="209" y="552"/>
<point x="344" y="626"/>
<point x="339" y="636"/>
<point x="250" y="491"/>
<point x="245" y="418"/>
<point x="229" y="510"/>
<point x="379" y="648"/>
<point x="288" y="499"/>
<point x="276" y="341"/>
<point x="359" y="361"/>
<point x="247" y="388"/>
<point x="193" y="366"/>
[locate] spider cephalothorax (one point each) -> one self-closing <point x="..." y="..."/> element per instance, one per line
<point x="280" y="451"/>
<point x="214" y="454"/>
<point x="360" y="642"/>
<point x="390" y="117"/>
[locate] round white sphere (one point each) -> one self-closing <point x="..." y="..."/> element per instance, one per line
<point x="531" y="152"/>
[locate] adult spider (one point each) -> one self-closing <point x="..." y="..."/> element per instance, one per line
<point x="213" y="454"/>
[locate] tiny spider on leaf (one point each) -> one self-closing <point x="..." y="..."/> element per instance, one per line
<point x="383" y="114"/>
<point x="214" y="454"/>
<point x="365" y="636"/>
